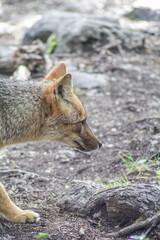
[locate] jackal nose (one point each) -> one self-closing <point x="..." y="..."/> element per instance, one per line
<point x="99" y="144"/>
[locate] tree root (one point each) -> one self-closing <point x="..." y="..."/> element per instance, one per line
<point x="114" y="206"/>
<point x="149" y="222"/>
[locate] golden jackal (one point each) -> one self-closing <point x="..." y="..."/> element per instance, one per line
<point x="36" y="111"/>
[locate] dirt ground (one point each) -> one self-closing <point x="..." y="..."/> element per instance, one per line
<point x="125" y="117"/>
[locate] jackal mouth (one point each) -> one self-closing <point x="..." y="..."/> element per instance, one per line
<point x="79" y="145"/>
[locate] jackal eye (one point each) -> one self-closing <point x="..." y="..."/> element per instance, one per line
<point x="83" y="122"/>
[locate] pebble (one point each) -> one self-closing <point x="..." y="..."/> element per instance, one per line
<point x="71" y="168"/>
<point x="22" y="189"/>
<point x="81" y="231"/>
<point x="110" y="145"/>
<point x="113" y="130"/>
<point x="101" y="135"/>
<point x="65" y="160"/>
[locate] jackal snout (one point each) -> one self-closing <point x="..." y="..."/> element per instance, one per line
<point x="87" y="141"/>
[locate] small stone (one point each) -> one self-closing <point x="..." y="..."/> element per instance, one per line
<point x="101" y="135"/>
<point x="48" y="170"/>
<point x="22" y="189"/>
<point x="110" y="145"/>
<point x="97" y="215"/>
<point x="71" y="168"/>
<point x="81" y="231"/>
<point x="65" y="160"/>
<point x="43" y="179"/>
<point x="60" y="156"/>
<point x="113" y="130"/>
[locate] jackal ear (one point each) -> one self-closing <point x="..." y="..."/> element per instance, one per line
<point x="64" y="87"/>
<point x="56" y="72"/>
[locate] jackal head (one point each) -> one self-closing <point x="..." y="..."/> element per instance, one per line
<point x="66" y="119"/>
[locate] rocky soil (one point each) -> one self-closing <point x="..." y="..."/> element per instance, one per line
<point x="119" y="85"/>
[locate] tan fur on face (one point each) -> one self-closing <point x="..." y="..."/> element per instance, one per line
<point x="69" y="111"/>
<point x="71" y="107"/>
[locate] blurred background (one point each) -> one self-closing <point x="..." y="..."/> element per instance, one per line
<point x="78" y="27"/>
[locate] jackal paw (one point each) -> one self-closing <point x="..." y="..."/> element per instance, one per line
<point x="26" y="216"/>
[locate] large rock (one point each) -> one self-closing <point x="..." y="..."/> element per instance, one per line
<point x="78" y="33"/>
<point x="88" y="80"/>
<point x="144" y="14"/>
<point x="5" y="51"/>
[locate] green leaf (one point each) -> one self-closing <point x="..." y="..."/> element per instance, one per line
<point x="41" y="235"/>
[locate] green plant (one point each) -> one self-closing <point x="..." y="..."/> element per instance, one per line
<point x="158" y="174"/>
<point x="41" y="235"/>
<point x="141" y="237"/>
<point x="122" y="181"/>
<point x="112" y="183"/>
<point x="18" y="203"/>
<point x="51" y="44"/>
<point x="98" y="180"/>
<point x="138" y="166"/>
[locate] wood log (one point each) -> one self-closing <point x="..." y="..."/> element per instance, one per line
<point x="113" y="206"/>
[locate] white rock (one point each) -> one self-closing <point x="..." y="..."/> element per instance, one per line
<point x="22" y="73"/>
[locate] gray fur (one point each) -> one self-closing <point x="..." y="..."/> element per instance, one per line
<point x="20" y="110"/>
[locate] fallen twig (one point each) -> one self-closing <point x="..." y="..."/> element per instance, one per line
<point x="149" y="222"/>
<point x="146" y="118"/>
<point x="16" y="170"/>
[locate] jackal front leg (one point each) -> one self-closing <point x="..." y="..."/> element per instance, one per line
<point x="12" y="212"/>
